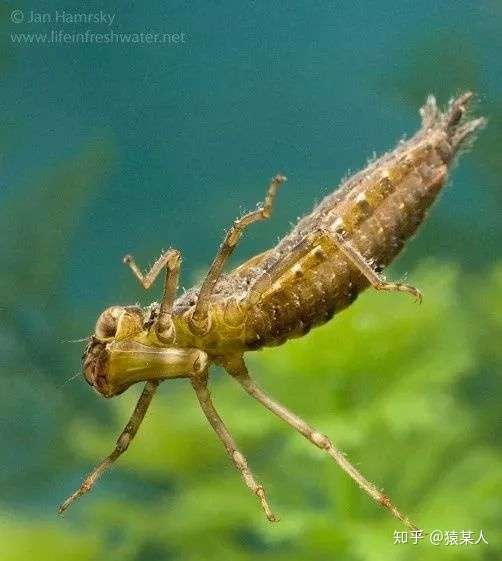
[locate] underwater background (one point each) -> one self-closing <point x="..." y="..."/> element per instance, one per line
<point x="108" y="149"/>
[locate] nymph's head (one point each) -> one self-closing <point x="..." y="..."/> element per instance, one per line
<point x="124" y="350"/>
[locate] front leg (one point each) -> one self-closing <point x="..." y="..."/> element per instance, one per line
<point x="171" y="260"/>
<point x="121" y="446"/>
<point x="200" y="322"/>
<point x="204" y="397"/>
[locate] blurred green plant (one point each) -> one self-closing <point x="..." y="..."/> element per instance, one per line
<point x="390" y="382"/>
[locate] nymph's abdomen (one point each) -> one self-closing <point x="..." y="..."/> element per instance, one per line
<point x="377" y="211"/>
<point x="325" y="281"/>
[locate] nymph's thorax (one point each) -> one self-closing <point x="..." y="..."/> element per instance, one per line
<point x="226" y="333"/>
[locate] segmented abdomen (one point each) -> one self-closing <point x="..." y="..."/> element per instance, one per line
<point x="377" y="211"/>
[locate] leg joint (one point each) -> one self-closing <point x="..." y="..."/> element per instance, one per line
<point x="240" y="460"/>
<point x="266" y="211"/>
<point x="174" y="259"/>
<point x="234" y="234"/>
<point x="123" y="442"/>
<point x="164" y="329"/>
<point x="320" y="440"/>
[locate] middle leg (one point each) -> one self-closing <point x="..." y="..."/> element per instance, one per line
<point x="199" y="320"/>
<point x="204" y="397"/>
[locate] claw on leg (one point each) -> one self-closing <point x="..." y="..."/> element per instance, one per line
<point x="400" y="287"/>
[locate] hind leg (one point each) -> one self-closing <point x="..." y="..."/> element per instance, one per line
<point x="376" y="280"/>
<point x="315" y="242"/>
<point x="238" y="370"/>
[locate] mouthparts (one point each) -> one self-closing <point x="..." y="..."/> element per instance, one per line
<point x="112" y="367"/>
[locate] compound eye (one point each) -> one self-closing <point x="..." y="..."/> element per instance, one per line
<point x="106" y="326"/>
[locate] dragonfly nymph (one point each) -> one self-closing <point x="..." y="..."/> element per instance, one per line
<point x="317" y="270"/>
